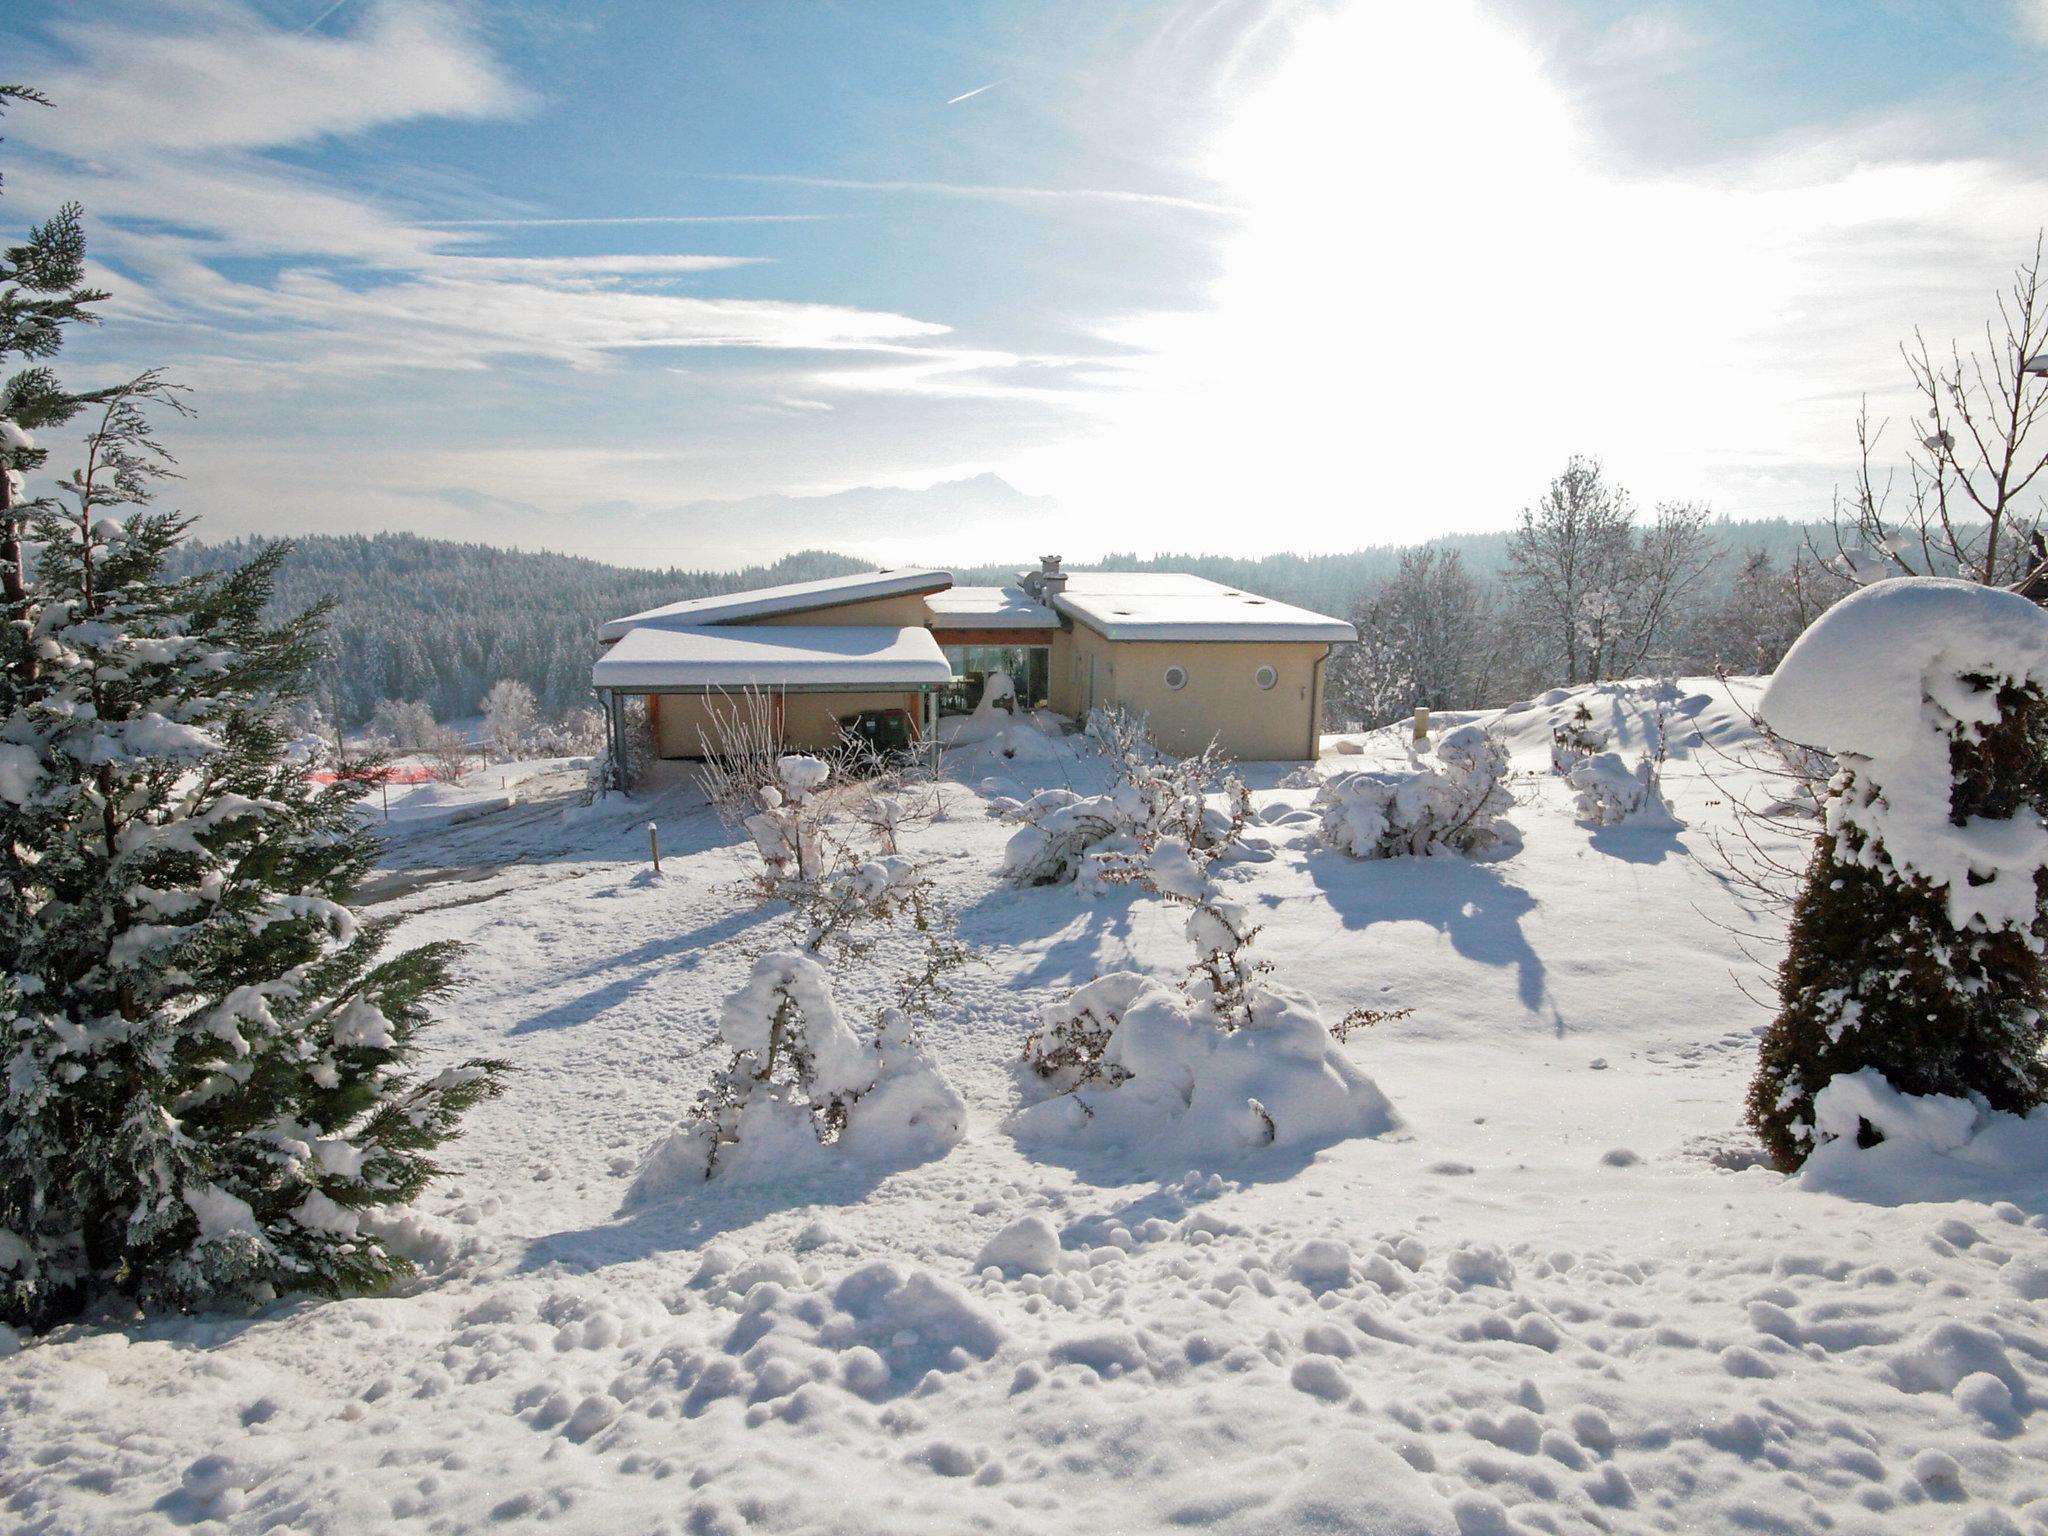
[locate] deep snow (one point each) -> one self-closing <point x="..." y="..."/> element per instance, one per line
<point x="1560" y="1297"/>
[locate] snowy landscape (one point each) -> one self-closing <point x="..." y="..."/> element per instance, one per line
<point x="1553" y="1290"/>
<point x="931" y="766"/>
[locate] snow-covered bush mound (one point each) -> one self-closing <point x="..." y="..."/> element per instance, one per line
<point x="1607" y="792"/>
<point x="1459" y="805"/>
<point x="1073" y="1033"/>
<point x="1002" y="726"/>
<point x="1931" y="1147"/>
<point x="1576" y="739"/>
<point x="1878" y="682"/>
<point x="801" y="1080"/>
<point x="1172" y="1085"/>
<point x="1081" y="838"/>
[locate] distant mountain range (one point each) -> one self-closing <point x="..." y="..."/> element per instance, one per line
<point x="431" y="619"/>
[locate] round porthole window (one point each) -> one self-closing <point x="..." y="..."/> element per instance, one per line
<point x="1265" y="677"/>
<point x="1176" y="678"/>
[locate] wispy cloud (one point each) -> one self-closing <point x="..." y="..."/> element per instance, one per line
<point x="599" y="221"/>
<point x="220" y="76"/>
<point x="167" y="128"/>
<point x="1656" y="37"/>
<point x="994" y="193"/>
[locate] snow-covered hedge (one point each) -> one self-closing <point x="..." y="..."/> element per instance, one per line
<point x="1069" y="837"/>
<point x="1459" y="805"/>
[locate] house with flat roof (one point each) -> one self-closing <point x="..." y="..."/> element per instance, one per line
<point x="1202" y="660"/>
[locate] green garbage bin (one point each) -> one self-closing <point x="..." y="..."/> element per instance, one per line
<point x="884" y="730"/>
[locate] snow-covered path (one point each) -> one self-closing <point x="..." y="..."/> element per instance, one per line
<point x="1557" y="1300"/>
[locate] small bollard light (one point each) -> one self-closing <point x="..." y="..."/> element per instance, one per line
<point x="654" y="846"/>
<point x="1421" y="723"/>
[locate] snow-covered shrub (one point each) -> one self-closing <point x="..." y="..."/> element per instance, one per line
<point x="1226" y="1062"/>
<point x="1073" y="1033"/>
<point x="800" y="1077"/>
<point x="1916" y="942"/>
<point x="447" y="753"/>
<point x="1458" y="806"/>
<point x="1068" y="837"/>
<point x="787" y="824"/>
<point x="1575" y="740"/>
<point x="1172" y="1082"/>
<point x="1608" y="792"/>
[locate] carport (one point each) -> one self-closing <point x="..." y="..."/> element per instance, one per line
<point x="809" y="676"/>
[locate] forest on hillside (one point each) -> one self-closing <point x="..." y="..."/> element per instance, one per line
<point x="440" y="622"/>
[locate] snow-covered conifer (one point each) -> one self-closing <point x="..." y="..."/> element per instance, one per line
<point x="209" y="1060"/>
<point x="1916" y="943"/>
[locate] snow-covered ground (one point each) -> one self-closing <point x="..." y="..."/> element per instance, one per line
<point x="1561" y="1297"/>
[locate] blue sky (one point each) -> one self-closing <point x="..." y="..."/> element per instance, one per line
<point x="1239" y="275"/>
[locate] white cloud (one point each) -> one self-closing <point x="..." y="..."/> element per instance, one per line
<point x="218" y="76"/>
<point x="2033" y="19"/>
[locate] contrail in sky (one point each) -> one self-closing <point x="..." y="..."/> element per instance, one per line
<point x="975" y="92"/>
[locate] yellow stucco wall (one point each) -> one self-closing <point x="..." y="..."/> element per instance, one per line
<point x="1222" y="698"/>
<point x="810" y="721"/>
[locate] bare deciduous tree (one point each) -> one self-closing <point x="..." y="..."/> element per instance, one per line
<point x="1426" y="636"/>
<point x="1599" y="594"/>
<point x="1963" y="509"/>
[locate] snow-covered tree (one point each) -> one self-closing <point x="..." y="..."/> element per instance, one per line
<point x="1427" y="636"/>
<point x="208" y="1059"/>
<point x="1598" y="592"/>
<point x="1916" y="943"/>
<point x="511" y="717"/>
<point x="403" y="725"/>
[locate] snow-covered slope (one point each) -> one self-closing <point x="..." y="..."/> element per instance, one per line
<point x="1560" y="1298"/>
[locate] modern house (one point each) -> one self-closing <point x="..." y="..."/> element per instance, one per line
<point x="1203" y="660"/>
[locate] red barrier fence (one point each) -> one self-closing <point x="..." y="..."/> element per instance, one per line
<point x="397" y="774"/>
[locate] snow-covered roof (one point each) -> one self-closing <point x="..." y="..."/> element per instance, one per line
<point x="1172" y="605"/>
<point x="989" y="608"/>
<point x="795" y="597"/>
<point x="652" y="658"/>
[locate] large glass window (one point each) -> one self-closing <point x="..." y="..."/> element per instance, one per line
<point x="1029" y="667"/>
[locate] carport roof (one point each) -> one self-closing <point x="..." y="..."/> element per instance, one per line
<point x="708" y="658"/>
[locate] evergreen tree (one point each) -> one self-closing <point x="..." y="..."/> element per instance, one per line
<point x="208" y="1058"/>
<point x="1937" y="983"/>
